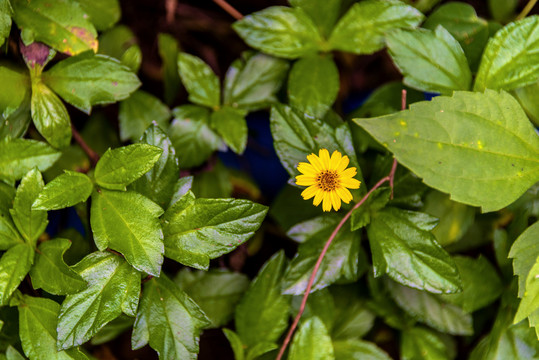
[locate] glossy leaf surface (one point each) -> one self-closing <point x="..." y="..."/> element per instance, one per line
<point x="64" y="191"/>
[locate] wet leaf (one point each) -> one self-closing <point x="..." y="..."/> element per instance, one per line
<point x="64" y="191"/>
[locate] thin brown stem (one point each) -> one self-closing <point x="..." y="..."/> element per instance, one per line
<point x="94" y="157"/>
<point x="529" y="6"/>
<point x="229" y="9"/>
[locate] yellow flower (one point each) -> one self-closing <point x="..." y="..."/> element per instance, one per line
<point x="327" y="179"/>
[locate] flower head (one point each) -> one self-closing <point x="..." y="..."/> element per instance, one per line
<point x="327" y="179"/>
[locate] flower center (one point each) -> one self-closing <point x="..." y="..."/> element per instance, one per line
<point x="327" y="180"/>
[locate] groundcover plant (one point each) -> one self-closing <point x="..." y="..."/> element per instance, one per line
<point x="311" y="179"/>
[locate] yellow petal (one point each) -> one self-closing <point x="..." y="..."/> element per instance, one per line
<point x="344" y="194"/>
<point x="348" y="173"/>
<point x="307" y="169"/>
<point x="335" y="200"/>
<point x="324" y="158"/>
<point x="335" y="160"/>
<point x="343" y="164"/>
<point x="350" y="183"/>
<point x="309" y="192"/>
<point x="315" y="161"/>
<point x="305" y="180"/>
<point x="326" y="205"/>
<point x="318" y="198"/>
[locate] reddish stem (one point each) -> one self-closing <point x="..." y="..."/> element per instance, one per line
<point x="94" y="157"/>
<point x="229" y="9"/>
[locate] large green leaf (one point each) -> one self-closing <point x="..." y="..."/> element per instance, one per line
<point x="217" y="292"/>
<point x="168" y="51"/>
<point x="311" y="342"/>
<point x="113" y="288"/>
<point x="361" y="30"/>
<point x="280" y="31"/>
<point x="60" y="24"/>
<point x="511" y="58"/>
<point x="428" y="309"/>
<point x="138" y="112"/>
<point x="88" y="79"/>
<point x="230" y="123"/>
<point x="262" y="314"/>
<point x="14" y="265"/>
<point x="525" y="252"/>
<point x="478" y="147"/>
<point x="192" y="136"/>
<point x="358" y="350"/>
<point x="323" y="13"/>
<point x="66" y="190"/>
<point x="419" y="343"/>
<point x="5" y="20"/>
<point x="103" y="13"/>
<point x="51" y="273"/>
<point x="403" y="247"/>
<point x="252" y="84"/>
<point x="30" y="223"/>
<point x="38" y="318"/>
<point x="169" y="320"/>
<point x="199" y="80"/>
<point x="313" y="85"/>
<point x="430" y="60"/>
<point x="197" y="230"/>
<point x="158" y="183"/>
<point x="18" y="156"/>
<point x="129" y="223"/>
<point x="120" y="167"/>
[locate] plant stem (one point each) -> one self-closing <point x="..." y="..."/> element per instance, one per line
<point x="94" y="157"/>
<point x="229" y="9"/>
<point x="529" y="6"/>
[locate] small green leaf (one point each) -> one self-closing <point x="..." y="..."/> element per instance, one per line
<point x="235" y="344"/>
<point x="430" y="60"/>
<point x="208" y="228"/>
<point x="120" y="167"/>
<point x="262" y="314"/>
<point x="169" y="320"/>
<point x="64" y="191"/>
<point x="18" y="156"/>
<point x="352" y="318"/>
<point x="38" y="318"/>
<point x="358" y="350"/>
<point x="182" y="186"/>
<point x="502" y="10"/>
<point x="88" y="79"/>
<point x="120" y="43"/>
<point x="12" y="354"/>
<point x="138" y="112"/>
<point x="129" y="223"/>
<point x="14" y="265"/>
<point x="524" y="252"/>
<point x="51" y="273"/>
<point x="421" y="343"/>
<point x="191" y="135"/>
<point x="529" y="304"/>
<point x="253" y="84"/>
<point x="230" y="123"/>
<point x="319" y="304"/>
<point x="158" y="184"/>
<point x="313" y="85"/>
<point x="323" y="13"/>
<point x="511" y="58"/>
<point x="9" y="235"/>
<point x="478" y="147"/>
<point x="361" y="30"/>
<point x="528" y="97"/>
<point x="60" y="24"/>
<point x="280" y="31"/>
<point x="428" y="309"/>
<point x="113" y="288"/>
<point x="199" y="80"/>
<point x="6" y="11"/>
<point x="168" y="51"/>
<point x="103" y="13"/>
<point x="216" y="292"/>
<point x="31" y="223"/>
<point x="311" y="342"/>
<point x="362" y="215"/>
<point x="14" y="100"/>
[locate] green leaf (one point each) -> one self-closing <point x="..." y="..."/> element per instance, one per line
<point x="129" y="223"/>
<point x="205" y="229"/>
<point x="88" y="79"/>
<point x="113" y="329"/>
<point x="38" y="318"/>
<point x="13" y="354"/>
<point x="428" y="309"/>
<point x="199" y="80"/>
<point x="31" y="223"/>
<point x="524" y="252"/>
<point x="280" y="31"/>
<point x="235" y="344"/>
<point x="6" y="11"/>
<point x="403" y="247"/>
<point x="311" y="342"/>
<point x="352" y="318"/>
<point x="430" y="60"/>
<point x="361" y="30"/>
<point x="361" y="216"/>
<point x="529" y="304"/>
<point x="511" y="58"/>
<point x="18" y="156"/>
<point x="132" y="58"/>
<point x="182" y="186"/>
<point x="419" y="343"/>
<point x="9" y="236"/>
<point x="217" y="292"/>
<point x="120" y="43"/>
<point x="138" y="112"/>
<point x="169" y="320"/>
<point x="323" y="13"/>
<point x="191" y="135"/>
<point x="253" y="84"/>
<point x="50" y="116"/>
<point x="502" y="10"/>
<point x="14" y="265"/>
<point x="64" y="191"/>
<point x="120" y="167"/>
<point x="168" y="51"/>
<point x="478" y="147"/>
<point x="528" y="97"/>
<point x="158" y="183"/>
<point x="13" y="100"/>
<point x="358" y="350"/>
<point x="262" y="314"/>
<point x="51" y="273"/>
<point x="103" y="13"/>
<point x="230" y="123"/>
<point x="319" y="304"/>
<point x="113" y="288"/>
<point x="215" y="183"/>
<point x="313" y="85"/>
<point x="61" y="24"/>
